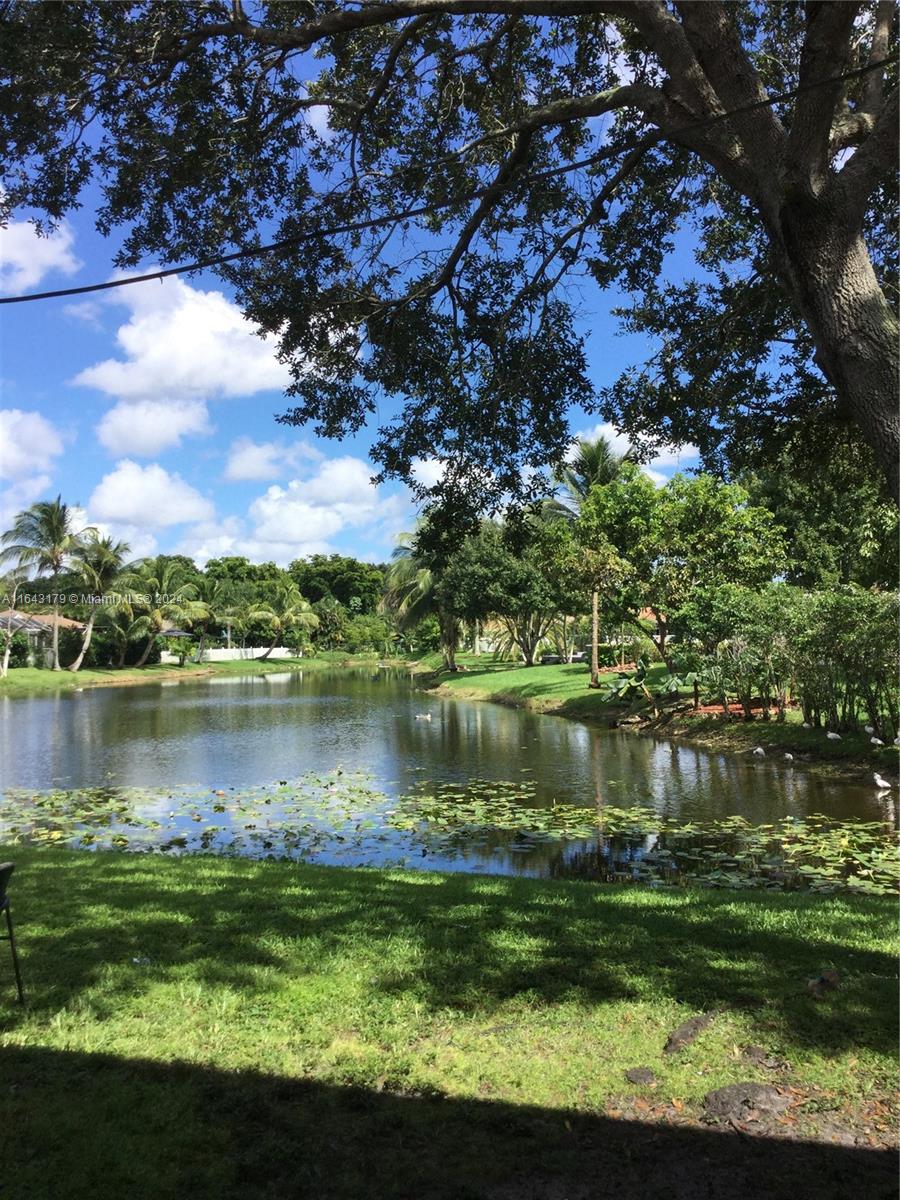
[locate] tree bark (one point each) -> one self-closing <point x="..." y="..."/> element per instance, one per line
<point x="85" y="643"/>
<point x="146" y="653"/>
<point x="201" y="647"/>
<point x="7" y="650"/>
<point x="56" y="666"/>
<point x="595" y="639"/>
<point x="828" y="269"/>
<point x="263" y="657"/>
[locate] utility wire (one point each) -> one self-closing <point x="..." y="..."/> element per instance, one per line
<point x="422" y="210"/>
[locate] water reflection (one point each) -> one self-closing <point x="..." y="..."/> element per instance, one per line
<point x="226" y="731"/>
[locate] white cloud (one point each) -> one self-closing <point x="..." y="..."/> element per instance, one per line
<point x="179" y="347"/>
<point x="146" y="427"/>
<point x="664" y="464"/>
<point x="147" y="497"/>
<point x="304" y="516"/>
<point x="87" y="311"/>
<point x="26" y="258"/>
<point x="21" y="495"/>
<point x="344" y="481"/>
<point x="216" y="539"/>
<point x="266" y="460"/>
<point x="28" y="443"/>
<point x="184" y="343"/>
<point x="427" y="472"/>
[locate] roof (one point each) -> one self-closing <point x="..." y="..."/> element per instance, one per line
<point x="36" y="622"/>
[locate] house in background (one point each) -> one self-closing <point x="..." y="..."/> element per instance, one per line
<point x="38" y="628"/>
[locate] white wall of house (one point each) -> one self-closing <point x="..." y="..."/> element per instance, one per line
<point x="233" y="655"/>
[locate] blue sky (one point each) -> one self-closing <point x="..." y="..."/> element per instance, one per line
<point x="153" y="408"/>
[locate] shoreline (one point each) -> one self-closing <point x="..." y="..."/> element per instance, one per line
<point x="704" y="731"/>
<point x="43" y="682"/>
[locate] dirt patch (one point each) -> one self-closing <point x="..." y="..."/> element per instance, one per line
<point x="688" y="1032"/>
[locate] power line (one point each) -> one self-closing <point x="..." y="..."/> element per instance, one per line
<point x="422" y="210"/>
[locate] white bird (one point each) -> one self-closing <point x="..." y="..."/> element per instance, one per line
<point x="789" y="758"/>
<point x="423" y="716"/>
<point x="806" y="725"/>
<point x="759" y="752"/>
<point x="833" y="737"/>
<point x="881" y="783"/>
<point x="876" y="741"/>
<point x="869" y="728"/>
<point x="897" y="741"/>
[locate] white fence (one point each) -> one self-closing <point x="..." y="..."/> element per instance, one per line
<point x="232" y="655"/>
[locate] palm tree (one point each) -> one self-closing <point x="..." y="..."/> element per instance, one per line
<point x="98" y="564"/>
<point x="120" y="624"/>
<point x="593" y="464"/>
<point x="13" y="580"/>
<point x="213" y="594"/>
<point x="288" y="609"/>
<point x="411" y="595"/>
<point x="44" y="539"/>
<point x="166" y="599"/>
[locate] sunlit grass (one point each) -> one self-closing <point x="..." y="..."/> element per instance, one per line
<point x="495" y="995"/>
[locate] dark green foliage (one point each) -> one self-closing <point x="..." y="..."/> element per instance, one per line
<point x="838" y="526"/>
<point x="332" y="624"/>
<point x="18" y="654"/>
<point x="354" y="584"/>
<point x="834" y="651"/>
<point x="469" y="134"/>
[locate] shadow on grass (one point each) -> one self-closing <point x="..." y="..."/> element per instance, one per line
<point x="478" y="940"/>
<point x="77" y="1126"/>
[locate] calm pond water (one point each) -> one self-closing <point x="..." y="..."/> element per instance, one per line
<point x="153" y="758"/>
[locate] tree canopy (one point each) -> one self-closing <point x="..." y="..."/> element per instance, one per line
<point x="439" y="174"/>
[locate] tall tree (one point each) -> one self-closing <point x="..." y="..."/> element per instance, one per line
<point x="44" y="538"/>
<point x="510" y="576"/>
<point x="593" y="463"/>
<point x="357" y="585"/>
<point x="285" y="609"/>
<point x="506" y="144"/>
<point x="11" y="584"/>
<point x="98" y="565"/>
<point x="694" y="533"/>
<point x="411" y="595"/>
<point x="162" y="598"/>
<point x="219" y="606"/>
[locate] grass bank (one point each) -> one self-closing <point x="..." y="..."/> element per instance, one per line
<point x="30" y="681"/>
<point x="224" y="1028"/>
<point x="563" y="690"/>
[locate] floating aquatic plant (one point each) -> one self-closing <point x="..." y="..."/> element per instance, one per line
<point x="340" y="817"/>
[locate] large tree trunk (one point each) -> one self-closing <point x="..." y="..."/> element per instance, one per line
<point x="146" y="654"/>
<point x="55" y="635"/>
<point x="7" y="650"/>
<point x="449" y="637"/>
<point x="85" y="643"/>
<point x="595" y="639"/>
<point x="271" y="647"/>
<point x="201" y="647"/>
<point x="829" y="271"/>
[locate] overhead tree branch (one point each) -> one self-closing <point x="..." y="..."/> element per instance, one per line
<point x="826" y="47"/>
<point x="871" y="163"/>
<point x="873" y="88"/>
<point x="711" y="30"/>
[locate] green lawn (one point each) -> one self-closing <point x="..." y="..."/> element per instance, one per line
<point x="27" y="681"/>
<point x="563" y="689"/>
<point x="222" y="1028"/>
<point x="565" y="684"/>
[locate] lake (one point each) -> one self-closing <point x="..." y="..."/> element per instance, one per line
<point x="249" y="764"/>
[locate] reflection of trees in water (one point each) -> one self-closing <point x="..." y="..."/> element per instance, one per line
<point x="606" y="860"/>
<point x="257" y="729"/>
